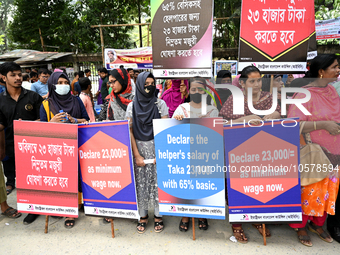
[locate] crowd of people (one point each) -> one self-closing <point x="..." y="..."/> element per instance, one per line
<point x="129" y="94"/>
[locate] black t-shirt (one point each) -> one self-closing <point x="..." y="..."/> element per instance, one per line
<point x="26" y="108"/>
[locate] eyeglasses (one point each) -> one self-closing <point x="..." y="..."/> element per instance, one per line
<point x="112" y="83"/>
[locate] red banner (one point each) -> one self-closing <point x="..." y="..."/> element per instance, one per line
<point x="274" y="35"/>
<point x="46" y="161"/>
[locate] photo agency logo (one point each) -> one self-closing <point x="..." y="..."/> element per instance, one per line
<point x="238" y="101"/>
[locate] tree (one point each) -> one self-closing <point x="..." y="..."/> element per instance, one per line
<point x="5" y="8"/>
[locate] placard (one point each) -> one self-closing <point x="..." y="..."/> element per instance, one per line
<point x="182" y="33"/>
<point x="263" y="172"/>
<point x="327" y="29"/>
<point x="189" y="156"/>
<point x="274" y="35"/>
<point x="106" y="165"/>
<point x="46" y="168"/>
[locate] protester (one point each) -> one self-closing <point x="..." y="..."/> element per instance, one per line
<point x="136" y="73"/>
<point x="77" y="88"/>
<point x="40" y="86"/>
<point x="173" y="96"/>
<point x="194" y="110"/>
<point x="103" y="73"/>
<point x="98" y="94"/>
<point x="140" y="112"/>
<point x="133" y="84"/>
<point x="320" y="198"/>
<point x="85" y="96"/>
<point x="75" y="79"/>
<point x="33" y="77"/>
<point x="121" y="95"/>
<point x="27" y="70"/>
<point x="87" y="73"/>
<point x="223" y="77"/>
<point x="261" y="100"/>
<point x="277" y="83"/>
<point x="73" y="109"/>
<point x="25" y="81"/>
<point x="2" y="84"/>
<point x="15" y="103"/>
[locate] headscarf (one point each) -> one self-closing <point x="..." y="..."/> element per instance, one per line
<point x="68" y="103"/>
<point x="119" y="101"/>
<point x="173" y="97"/>
<point x="144" y="110"/>
<point x="236" y="81"/>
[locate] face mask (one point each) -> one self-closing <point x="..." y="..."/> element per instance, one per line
<point x="150" y="89"/>
<point x="197" y="98"/>
<point x="62" y="89"/>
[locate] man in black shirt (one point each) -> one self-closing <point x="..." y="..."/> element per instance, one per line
<point x="15" y="103"/>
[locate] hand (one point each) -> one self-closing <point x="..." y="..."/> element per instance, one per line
<point x="332" y="127"/>
<point x="154" y="161"/>
<point x="274" y="115"/>
<point x="178" y="117"/>
<point x="59" y="117"/>
<point x="73" y="120"/>
<point x="254" y="119"/>
<point x="140" y="161"/>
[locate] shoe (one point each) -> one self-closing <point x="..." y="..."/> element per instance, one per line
<point x="323" y="236"/>
<point x="69" y="223"/>
<point x="9" y="190"/>
<point x="30" y="218"/>
<point x="141" y="226"/>
<point x="11" y="213"/>
<point x="335" y="233"/>
<point x="159" y="225"/>
<point x="184" y="226"/>
<point x="203" y="224"/>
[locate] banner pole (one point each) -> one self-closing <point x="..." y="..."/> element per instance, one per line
<point x="271" y="83"/>
<point x="46" y="224"/>
<point x="112" y="229"/>
<point x="193" y="229"/>
<point x="264" y="234"/>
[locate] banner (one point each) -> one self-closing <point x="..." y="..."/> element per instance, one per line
<point x="105" y="161"/>
<point x="46" y="168"/>
<point x="263" y="172"/>
<point x="327" y="29"/>
<point x="274" y="35"/>
<point x="140" y="58"/>
<point x="189" y="156"/>
<point x="182" y="38"/>
<point x="230" y="65"/>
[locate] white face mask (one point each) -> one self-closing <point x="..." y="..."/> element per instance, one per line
<point x="62" y="89"/>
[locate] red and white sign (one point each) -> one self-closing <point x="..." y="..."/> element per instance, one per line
<point x="46" y="168"/>
<point x="327" y="29"/>
<point x="275" y="31"/>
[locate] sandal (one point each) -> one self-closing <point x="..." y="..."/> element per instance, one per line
<point x="203" y="224"/>
<point x="314" y="228"/>
<point x="184" y="226"/>
<point x="11" y="213"/>
<point x="260" y="229"/>
<point x="106" y="220"/>
<point x="240" y="234"/>
<point x="9" y="190"/>
<point x="142" y="224"/>
<point x="69" y="223"/>
<point x="304" y="238"/>
<point x="158" y="224"/>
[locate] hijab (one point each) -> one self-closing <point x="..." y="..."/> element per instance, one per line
<point x="144" y="109"/>
<point x="173" y="97"/>
<point x="68" y="103"/>
<point x="119" y="101"/>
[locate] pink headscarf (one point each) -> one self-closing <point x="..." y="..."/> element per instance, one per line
<point x="172" y="96"/>
<point x="235" y="81"/>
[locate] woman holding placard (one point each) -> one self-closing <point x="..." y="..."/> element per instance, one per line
<point x="140" y="112"/>
<point x="194" y="110"/>
<point x="262" y="100"/>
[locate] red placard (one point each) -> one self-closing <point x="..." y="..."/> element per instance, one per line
<point x="46" y="161"/>
<point x="274" y="34"/>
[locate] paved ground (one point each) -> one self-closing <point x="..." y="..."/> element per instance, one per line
<point x="91" y="236"/>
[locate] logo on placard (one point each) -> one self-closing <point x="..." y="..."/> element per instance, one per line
<point x="173" y="208"/>
<point x="245" y="217"/>
<point x="96" y="211"/>
<point x="30" y="208"/>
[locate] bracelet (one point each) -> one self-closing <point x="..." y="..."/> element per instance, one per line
<point x="75" y="121"/>
<point x="314" y="125"/>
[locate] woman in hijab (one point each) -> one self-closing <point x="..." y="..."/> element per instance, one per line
<point x="121" y="95"/>
<point x="140" y="112"/>
<point x="173" y="96"/>
<point x="62" y="107"/>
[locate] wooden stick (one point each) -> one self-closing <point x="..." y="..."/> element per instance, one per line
<point x="42" y="40"/>
<point x="193" y="229"/>
<point x="264" y="234"/>
<point x="271" y="83"/>
<point x="148" y="35"/>
<point x="112" y="228"/>
<point x="102" y="44"/>
<point x="46" y="224"/>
